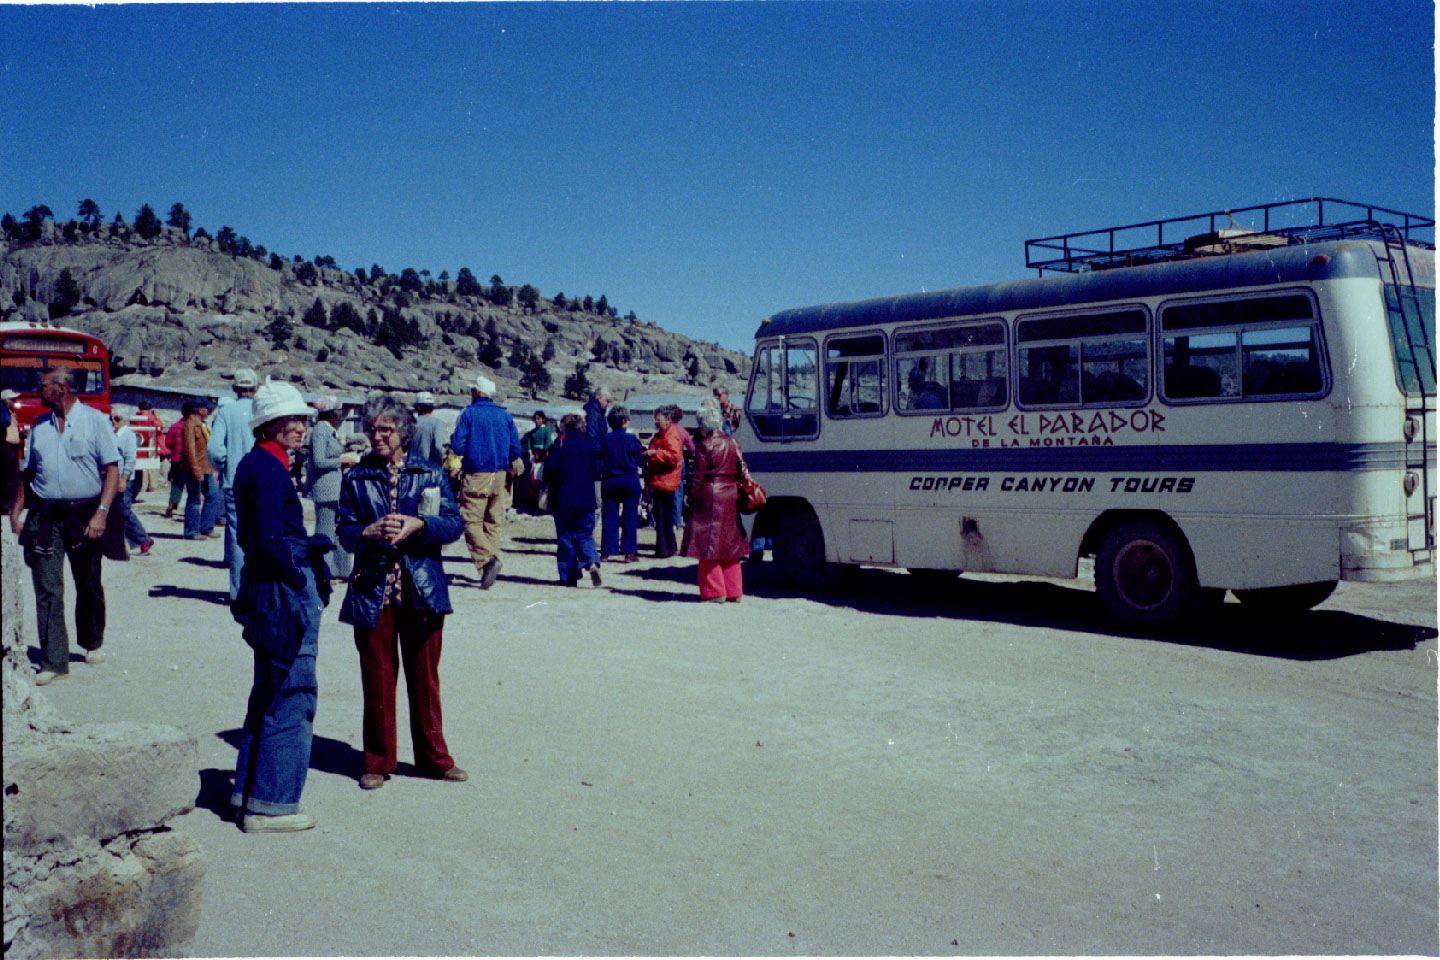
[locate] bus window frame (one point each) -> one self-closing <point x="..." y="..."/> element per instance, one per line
<point x="883" y="357"/>
<point x="1148" y="336"/>
<point x="1316" y="321"/>
<point x="944" y="324"/>
<point x="784" y="343"/>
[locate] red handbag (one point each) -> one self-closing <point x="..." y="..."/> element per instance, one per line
<point x="749" y="495"/>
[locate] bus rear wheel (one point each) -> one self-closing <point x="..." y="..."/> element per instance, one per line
<point x="799" y="551"/>
<point x="1145" y="576"/>
<point x="1296" y="598"/>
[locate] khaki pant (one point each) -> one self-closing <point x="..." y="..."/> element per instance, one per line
<point x="482" y="507"/>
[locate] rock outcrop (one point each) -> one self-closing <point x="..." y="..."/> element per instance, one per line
<point x="91" y="867"/>
<point x="177" y="311"/>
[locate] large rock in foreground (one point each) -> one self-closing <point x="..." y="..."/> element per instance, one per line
<point x="91" y="867"/>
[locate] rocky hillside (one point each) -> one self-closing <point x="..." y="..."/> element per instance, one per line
<point x="178" y="310"/>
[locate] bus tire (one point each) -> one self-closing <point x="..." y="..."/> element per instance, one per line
<point x="799" y="551"/>
<point x="1145" y="576"/>
<point x="1296" y="598"/>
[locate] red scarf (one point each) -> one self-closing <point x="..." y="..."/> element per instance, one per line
<point x="277" y="451"/>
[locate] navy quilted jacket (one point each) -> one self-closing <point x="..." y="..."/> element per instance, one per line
<point x="365" y="498"/>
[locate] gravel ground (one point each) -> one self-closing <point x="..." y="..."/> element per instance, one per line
<point x="895" y="768"/>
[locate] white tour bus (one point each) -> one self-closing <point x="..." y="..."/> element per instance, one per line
<point x="1247" y="407"/>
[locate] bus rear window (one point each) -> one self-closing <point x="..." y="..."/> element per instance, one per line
<point x="1412" y="332"/>
<point x="1242" y="349"/>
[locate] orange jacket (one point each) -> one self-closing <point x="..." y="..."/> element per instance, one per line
<point x="196" y="439"/>
<point x="664" y="463"/>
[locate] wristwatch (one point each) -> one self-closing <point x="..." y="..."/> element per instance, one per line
<point x="104" y="509"/>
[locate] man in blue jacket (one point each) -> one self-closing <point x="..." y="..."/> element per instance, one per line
<point x="595" y="414"/>
<point x="230" y="440"/>
<point x="489" y="445"/>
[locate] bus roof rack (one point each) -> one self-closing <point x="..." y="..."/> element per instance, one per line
<point x="1224" y="232"/>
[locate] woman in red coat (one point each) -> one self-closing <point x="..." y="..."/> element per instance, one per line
<point x="714" y="535"/>
<point x="662" y="465"/>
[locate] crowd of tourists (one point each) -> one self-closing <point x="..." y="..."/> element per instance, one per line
<point x="382" y="516"/>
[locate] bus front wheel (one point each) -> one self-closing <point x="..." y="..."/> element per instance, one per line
<point x="799" y="551"/>
<point x="1296" y="598"/>
<point x="1145" y="576"/>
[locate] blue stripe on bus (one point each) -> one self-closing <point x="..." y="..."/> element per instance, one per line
<point x="1137" y="458"/>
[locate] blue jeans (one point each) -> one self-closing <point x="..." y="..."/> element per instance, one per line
<point x="275" y="746"/>
<point x="234" y="556"/>
<point x="574" y="541"/>
<point x="134" y="530"/>
<point x="618" y="519"/>
<point x="200" y="520"/>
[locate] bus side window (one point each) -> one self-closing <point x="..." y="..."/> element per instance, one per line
<point x="957" y="367"/>
<point x="855" y="376"/>
<point x="1269" y="347"/>
<point x="1085" y="360"/>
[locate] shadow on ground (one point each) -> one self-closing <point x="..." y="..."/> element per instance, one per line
<point x="1313" y="635"/>
<point x="167" y="590"/>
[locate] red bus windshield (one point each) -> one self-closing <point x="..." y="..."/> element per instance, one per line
<point x="26" y="354"/>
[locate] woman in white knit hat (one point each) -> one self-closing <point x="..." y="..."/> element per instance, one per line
<point x="279" y="610"/>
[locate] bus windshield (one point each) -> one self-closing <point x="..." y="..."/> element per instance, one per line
<point x="22" y="374"/>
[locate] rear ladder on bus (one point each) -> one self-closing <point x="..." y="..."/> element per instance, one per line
<point x="1419" y="425"/>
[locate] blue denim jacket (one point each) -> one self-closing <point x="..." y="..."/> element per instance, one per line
<point x="365" y="498"/>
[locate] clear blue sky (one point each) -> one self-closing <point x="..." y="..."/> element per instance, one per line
<point x="706" y="165"/>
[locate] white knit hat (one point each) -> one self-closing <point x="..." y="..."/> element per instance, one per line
<point x="485" y="385"/>
<point x="276" y="399"/>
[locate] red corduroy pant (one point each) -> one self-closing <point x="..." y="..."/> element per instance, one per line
<point x="720" y="580"/>
<point x="418" y="637"/>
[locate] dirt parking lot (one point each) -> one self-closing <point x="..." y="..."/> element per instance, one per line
<point x="890" y="769"/>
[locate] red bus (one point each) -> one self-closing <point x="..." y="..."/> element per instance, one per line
<point x="28" y="349"/>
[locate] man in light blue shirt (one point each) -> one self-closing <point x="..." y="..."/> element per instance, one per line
<point x="128" y="444"/>
<point x="74" y="473"/>
<point x="230" y="440"/>
<point x="426" y="441"/>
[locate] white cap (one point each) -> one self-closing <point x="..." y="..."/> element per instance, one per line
<point x="485" y="385"/>
<point x="426" y="397"/>
<point x="9" y="394"/>
<point x="245" y="377"/>
<point x="276" y="399"/>
<point x="327" y="403"/>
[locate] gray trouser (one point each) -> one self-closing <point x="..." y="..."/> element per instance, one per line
<point x="339" y="561"/>
<point x="48" y="576"/>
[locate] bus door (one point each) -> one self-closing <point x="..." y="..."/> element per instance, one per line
<point x="1410" y="312"/>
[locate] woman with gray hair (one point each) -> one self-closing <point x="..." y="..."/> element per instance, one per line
<point x="396" y="513"/>
<point x="322" y="481"/>
<point x="714" y="535"/>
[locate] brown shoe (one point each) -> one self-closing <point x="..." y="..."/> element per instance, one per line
<point x="631" y="558"/>
<point x="372" y="781"/>
<point x="454" y="775"/>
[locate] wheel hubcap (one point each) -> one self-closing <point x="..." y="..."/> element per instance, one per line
<point x="1144" y="574"/>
